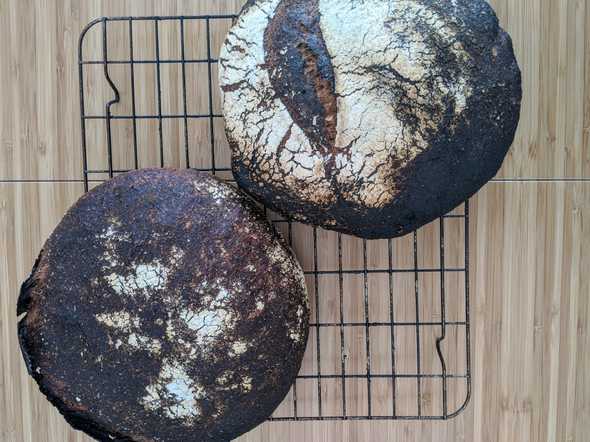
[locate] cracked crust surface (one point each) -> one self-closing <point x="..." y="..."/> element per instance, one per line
<point x="164" y="307"/>
<point x="369" y="117"/>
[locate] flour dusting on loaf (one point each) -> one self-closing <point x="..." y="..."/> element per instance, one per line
<point x="368" y="117"/>
<point x="165" y="307"/>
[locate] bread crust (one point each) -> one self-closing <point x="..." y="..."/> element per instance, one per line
<point x="164" y="307"/>
<point x="370" y="117"/>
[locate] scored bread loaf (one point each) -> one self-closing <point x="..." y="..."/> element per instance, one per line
<point x="368" y="117"/>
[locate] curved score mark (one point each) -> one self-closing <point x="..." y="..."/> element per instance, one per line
<point x="301" y="72"/>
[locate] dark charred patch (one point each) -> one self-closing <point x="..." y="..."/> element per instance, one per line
<point x="233" y="87"/>
<point x="301" y="72"/>
<point x="94" y="375"/>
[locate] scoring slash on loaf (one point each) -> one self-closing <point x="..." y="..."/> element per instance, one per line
<point x="369" y="117"/>
<point x="164" y="308"/>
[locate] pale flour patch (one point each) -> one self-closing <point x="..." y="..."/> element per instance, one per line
<point x="239" y="348"/>
<point x="143" y="278"/>
<point x="170" y="328"/>
<point x="111" y="236"/>
<point x="209" y="322"/>
<point x="219" y="192"/>
<point x="247" y="384"/>
<point x="174" y="385"/>
<point x="300" y="314"/>
<point x="295" y="335"/>
<point x="225" y="377"/>
<point x="121" y="320"/>
<point x="110" y="233"/>
<point x="144" y="343"/>
<point x="176" y="255"/>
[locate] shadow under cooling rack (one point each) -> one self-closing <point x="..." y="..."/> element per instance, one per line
<point x="389" y="337"/>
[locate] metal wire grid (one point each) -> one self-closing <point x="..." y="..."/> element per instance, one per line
<point x="290" y="408"/>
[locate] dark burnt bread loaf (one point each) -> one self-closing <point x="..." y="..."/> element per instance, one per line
<point x="369" y="117"/>
<point x="164" y="307"/>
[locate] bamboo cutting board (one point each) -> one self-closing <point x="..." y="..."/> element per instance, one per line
<point x="529" y="229"/>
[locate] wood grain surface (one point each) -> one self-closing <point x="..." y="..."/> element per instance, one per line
<point x="530" y="229"/>
<point x="40" y="103"/>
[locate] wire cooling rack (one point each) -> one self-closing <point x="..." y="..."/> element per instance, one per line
<point x="389" y="337"/>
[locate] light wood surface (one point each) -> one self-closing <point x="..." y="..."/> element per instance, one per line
<point x="39" y="81"/>
<point x="529" y="239"/>
<point x="530" y="312"/>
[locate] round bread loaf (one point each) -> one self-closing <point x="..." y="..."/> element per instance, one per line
<point x="369" y="117"/>
<point x="164" y="307"/>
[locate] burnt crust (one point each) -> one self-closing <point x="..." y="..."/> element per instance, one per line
<point x="164" y="307"/>
<point x="457" y="111"/>
<point x="302" y="74"/>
